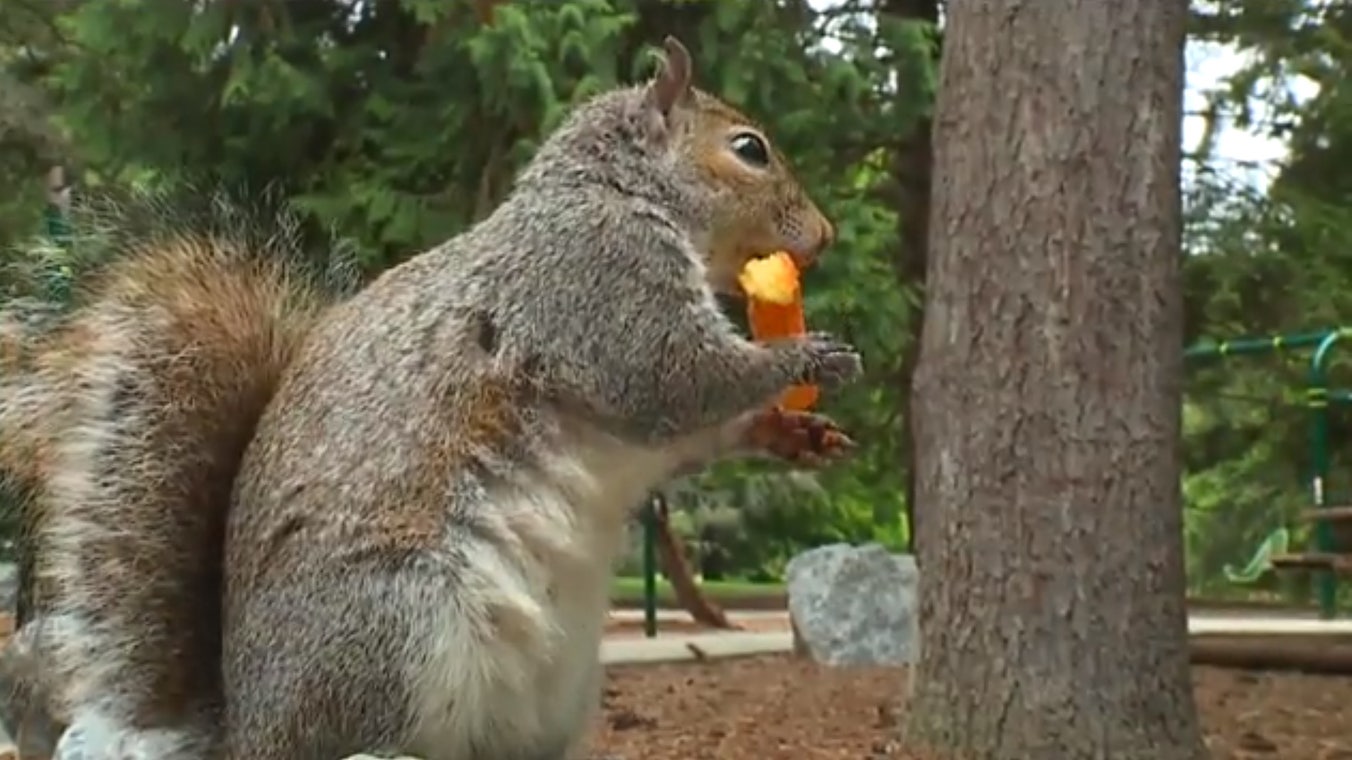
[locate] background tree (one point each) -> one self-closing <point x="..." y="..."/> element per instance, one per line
<point x="1050" y="372"/>
<point x="910" y="170"/>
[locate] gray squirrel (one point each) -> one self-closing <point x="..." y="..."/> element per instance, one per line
<point x="271" y="525"/>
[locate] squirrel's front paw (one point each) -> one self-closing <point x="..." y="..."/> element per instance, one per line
<point x="800" y="438"/>
<point x="824" y="361"/>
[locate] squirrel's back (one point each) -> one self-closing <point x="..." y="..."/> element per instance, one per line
<point x="132" y="418"/>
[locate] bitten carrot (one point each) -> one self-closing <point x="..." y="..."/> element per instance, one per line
<point x="774" y="307"/>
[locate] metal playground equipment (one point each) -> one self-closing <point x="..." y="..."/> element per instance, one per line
<point x="1332" y="550"/>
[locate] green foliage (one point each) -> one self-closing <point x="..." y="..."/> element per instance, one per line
<point x="397" y="124"/>
<point x="1265" y="262"/>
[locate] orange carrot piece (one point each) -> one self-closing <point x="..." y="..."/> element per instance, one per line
<point x="775" y="310"/>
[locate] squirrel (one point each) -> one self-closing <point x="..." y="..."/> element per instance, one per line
<point x="272" y="524"/>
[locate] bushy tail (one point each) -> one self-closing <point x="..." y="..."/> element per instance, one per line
<point x="128" y="420"/>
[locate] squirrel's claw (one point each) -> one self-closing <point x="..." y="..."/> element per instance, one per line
<point x="800" y="438"/>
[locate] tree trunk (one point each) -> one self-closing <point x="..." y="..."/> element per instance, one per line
<point x="671" y="558"/>
<point x="1049" y="387"/>
<point x="911" y="175"/>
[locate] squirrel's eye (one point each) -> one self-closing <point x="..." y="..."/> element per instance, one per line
<point x="751" y="149"/>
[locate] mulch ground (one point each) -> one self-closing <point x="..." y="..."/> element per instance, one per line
<point x="771" y="707"/>
<point x="764" y="708"/>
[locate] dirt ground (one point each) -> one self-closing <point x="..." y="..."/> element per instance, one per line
<point x="772" y="707"/>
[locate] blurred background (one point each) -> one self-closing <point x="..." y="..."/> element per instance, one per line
<point x="393" y="124"/>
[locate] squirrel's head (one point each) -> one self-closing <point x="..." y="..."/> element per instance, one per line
<point x="755" y="204"/>
<point x="707" y="163"/>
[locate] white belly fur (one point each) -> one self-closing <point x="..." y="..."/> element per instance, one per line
<point x="512" y="668"/>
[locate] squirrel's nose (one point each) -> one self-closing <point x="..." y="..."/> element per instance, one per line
<point x="820" y="235"/>
<point x="828" y="235"/>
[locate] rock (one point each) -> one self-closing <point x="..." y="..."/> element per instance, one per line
<point x="855" y="605"/>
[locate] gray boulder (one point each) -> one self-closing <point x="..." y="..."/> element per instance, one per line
<point x="854" y="605"/>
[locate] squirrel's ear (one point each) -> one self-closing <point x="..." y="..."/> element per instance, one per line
<point x="672" y="83"/>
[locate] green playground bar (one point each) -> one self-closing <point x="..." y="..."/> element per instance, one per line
<point x="1318" y="397"/>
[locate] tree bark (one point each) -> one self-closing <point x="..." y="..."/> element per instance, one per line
<point x="1048" y="390"/>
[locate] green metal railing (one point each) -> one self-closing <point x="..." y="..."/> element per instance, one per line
<point x="1259" y="345"/>
<point x="1318" y="397"/>
<point x="649" y="518"/>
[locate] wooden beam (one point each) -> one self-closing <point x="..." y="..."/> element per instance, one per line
<point x="1309" y="653"/>
<point x="1338" y="563"/>
<point x="1329" y="514"/>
